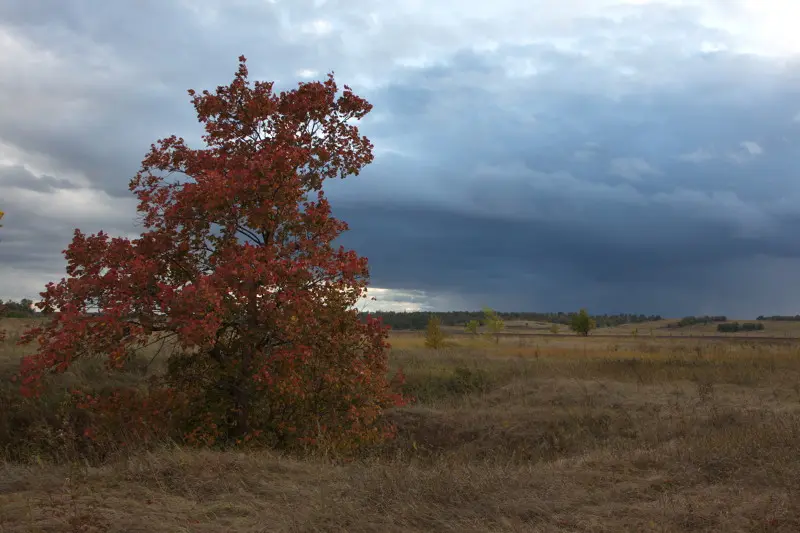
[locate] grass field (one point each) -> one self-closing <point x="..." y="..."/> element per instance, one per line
<point x="773" y="329"/>
<point x="531" y="434"/>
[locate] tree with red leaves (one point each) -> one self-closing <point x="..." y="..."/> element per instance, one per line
<point x="236" y="268"/>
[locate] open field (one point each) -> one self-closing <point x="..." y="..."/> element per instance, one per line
<point x="534" y="433"/>
<point x="774" y="330"/>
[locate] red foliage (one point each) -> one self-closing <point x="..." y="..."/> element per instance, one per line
<point x="236" y="266"/>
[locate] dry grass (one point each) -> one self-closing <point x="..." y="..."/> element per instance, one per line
<point x="536" y="434"/>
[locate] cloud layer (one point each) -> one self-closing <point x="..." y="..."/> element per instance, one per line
<point x="625" y="156"/>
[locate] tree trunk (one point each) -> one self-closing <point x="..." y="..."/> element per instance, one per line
<point x="242" y="397"/>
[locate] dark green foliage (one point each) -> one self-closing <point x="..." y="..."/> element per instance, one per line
<point x="780" y="318"/>
<point x="735" y="327"/>
<point x="21" y="309"/>
<point x="472" y="327"/>
<point x="697" y="320"/>
<point x="582" y="323"/>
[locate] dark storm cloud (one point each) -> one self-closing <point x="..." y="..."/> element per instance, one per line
<point x="610" y="162"/>
<point x="513" y="263"/>
<point x="668" y="187"/>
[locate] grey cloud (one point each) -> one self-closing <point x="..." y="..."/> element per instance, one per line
<point x="697" y="156"/>
<point x="33" y="242"/>
<point x="631" y="168"/>
<point x="752" y="148"/>
<point x="19" y="176"/>
<point x="622" y="168"/>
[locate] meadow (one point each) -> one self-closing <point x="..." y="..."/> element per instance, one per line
<point x="532" y="433"/>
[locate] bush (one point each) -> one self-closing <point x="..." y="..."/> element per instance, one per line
<point x="697" y="320"/>
<point x="734" y="327"/>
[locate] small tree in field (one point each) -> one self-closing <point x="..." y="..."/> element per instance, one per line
<point x="434" y="336"/>
<point x="494" y="324"/>
<point x="582" y="323"/>
<point x="472" y="327"/>
<point x="554" y="329"/>
<point x="236" y="267"/>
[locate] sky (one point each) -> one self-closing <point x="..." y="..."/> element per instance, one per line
<point x="620" y="155"/>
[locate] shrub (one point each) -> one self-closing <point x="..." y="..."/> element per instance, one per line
<point x="734" y="327"/>
<point x="472" y="327"/>
<point x="697" y="320"/>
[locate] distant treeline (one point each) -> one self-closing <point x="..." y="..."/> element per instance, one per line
<point x="696" y="321"/>
<point x="418" y="320"/>
<point x="780" y="317"/>
<point x="733" y="327"/>
<point x="21" y="309"/>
